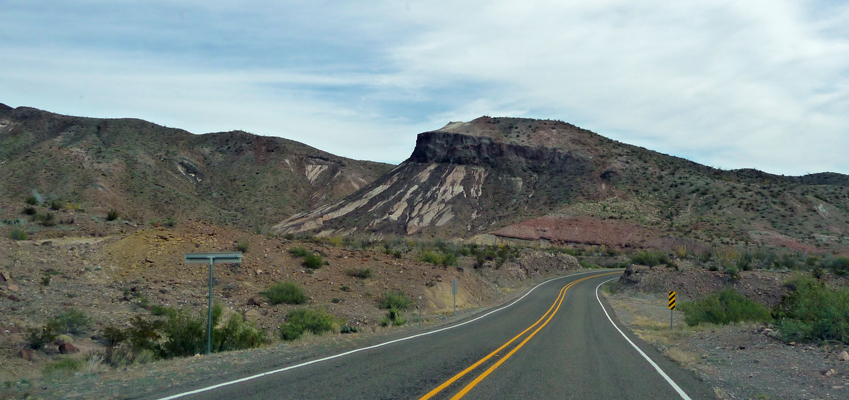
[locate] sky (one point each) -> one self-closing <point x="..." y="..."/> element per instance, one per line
<point x="730" y="84"/>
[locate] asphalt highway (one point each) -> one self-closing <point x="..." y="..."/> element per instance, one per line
<point x="555" y="343"/>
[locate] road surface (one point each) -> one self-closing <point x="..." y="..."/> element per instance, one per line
<point x="555" y="343"/>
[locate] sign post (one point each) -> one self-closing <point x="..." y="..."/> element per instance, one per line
<point x="671" y="308"/>
<point x="211" y="258"/>
<point x="454" y="289"/>
<point x="420" y="311"/>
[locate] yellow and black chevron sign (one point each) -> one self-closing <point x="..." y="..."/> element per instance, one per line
<point x="671" y="300"/>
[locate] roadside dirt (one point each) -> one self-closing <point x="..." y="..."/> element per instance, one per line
<point x="742" y="361"/>
<point x="112" y="278"/>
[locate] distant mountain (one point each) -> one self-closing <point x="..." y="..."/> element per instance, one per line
<point x="549" y="180"/>
<point x="146" y="171"/>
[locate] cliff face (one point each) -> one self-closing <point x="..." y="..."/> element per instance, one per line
<point x="458" y="184"/>
<point x="549" y="180"/>
<point x="148" y="172"/>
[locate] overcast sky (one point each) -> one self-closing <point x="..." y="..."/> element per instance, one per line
<point x="730" y="84"/>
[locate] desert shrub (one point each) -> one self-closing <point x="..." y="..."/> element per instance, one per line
<point x="31" y="200"/>
<point x="112" y="215"/>
<point x="243" y="246"/>
<point x="30" y="211"/>
<point x="393" y="316"/>
<point x="650" y="258"/>
<point x="286" y="292"/>
<point x="431" y="257"/>
<point x="817" y="272"/>
<point x="63" y="366"/>
<point x="303" y="320"/>
<point x="839" y="265"/>
<point x="185" y="334"/>
<point x="313" y="261"/>
<point x="46" y="219"/>
<point x="394" y="300"/>
<point x="436" y="258"/>
<point x="744" y="261"/>
<point x="236" y="334"/>
<point x="362" y="273"/>
<point x="348" y="329"/>
<point x="56" y="204"/>
<point x="299" y="252"/>
<point x="733" y="272"/>
<point x="18" y="234"/>
<point x="143" y="334"/>
<point x="723" y="307"/>
<point x="72" y="321"/>
<point x="114" y="335"/>
<point x="813" y="312"/>
<point x="39" y="337"/>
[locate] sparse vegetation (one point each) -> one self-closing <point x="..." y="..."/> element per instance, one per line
<point x="112" y="215"/>
<point x="65" y="365"/>
<point x="72" y="321"/>
<point x="313" y="261"/>
<point x="299" y="252"/>
<point x="723" y="307"/>
<point x="362" y="273"/>
<point x="18" y="234"/>
<point x="812" y="311"/>
<point x="285" y="293"/>
<point x="650" y="258"/>
<point x="391" y="300"/>
<point x="305" y="320"/>
<point x="243" y="246"/>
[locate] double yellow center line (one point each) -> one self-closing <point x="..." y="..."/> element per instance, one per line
<point x="549" y="314"/>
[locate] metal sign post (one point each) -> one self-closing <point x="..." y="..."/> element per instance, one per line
<point x="671" y="308"/>
<point x="211" y="258"/>
<point x="454" y="289"/>
<point x="420" y="311"/>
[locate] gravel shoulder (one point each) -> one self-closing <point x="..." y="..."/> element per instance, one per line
<point x="740" y="361"/>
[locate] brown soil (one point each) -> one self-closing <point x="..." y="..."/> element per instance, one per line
<point x="114" y="278"/>
<point x="588" y="230"/>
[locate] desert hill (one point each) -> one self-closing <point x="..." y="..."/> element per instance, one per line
<point x="552" y="181"/>
<point x="149" y="172"/>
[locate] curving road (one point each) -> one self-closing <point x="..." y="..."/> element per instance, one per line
<point x="556" y="342"/>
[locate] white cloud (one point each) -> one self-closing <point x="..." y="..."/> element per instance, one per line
<point x="735" y="84"/>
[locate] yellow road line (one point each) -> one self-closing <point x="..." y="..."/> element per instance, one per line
<point x="557" y="302"/>
<point x="490" y="355"/>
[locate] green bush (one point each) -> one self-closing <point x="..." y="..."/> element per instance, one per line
<point x="650" y="258"/>
<point x="299" y="252"/>
<point x="243" y="246"/>
<point x="394" y="317"/>
<point x="112" y="215"/>
<point x="839" y="265"/>
<point x="431" y="257"/>
<point x="63" y="366"/>
<point x="237" y="334"/>
<point x="313" y="261"/>
<point x="361" y="273"/>
<point x="723" y="307"/>
<point x="39" y="337"/>
<point x="30" y="211"/>
<point x="56" y="204"/>
<point x="18" y="234"/>
<point x="303" y="320"/>
<point x="72" y="321"/>
<point x="813" y="312"/>
<point x="396" y="300"/>
<point x="287" y="292"/>
<point x="31" y="200"/>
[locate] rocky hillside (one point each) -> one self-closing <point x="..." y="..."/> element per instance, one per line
<point x="549" y="180"/>
<point x="148" y="172"/>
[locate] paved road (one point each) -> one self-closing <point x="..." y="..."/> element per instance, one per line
<point x="571" y="351"/>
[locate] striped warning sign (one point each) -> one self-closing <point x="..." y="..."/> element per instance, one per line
<point x="671" y="300"/>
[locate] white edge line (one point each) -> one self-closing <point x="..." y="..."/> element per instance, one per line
<point x="213" y="387"/>
<point x="659" y="371"/>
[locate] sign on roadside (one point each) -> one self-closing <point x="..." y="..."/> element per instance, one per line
<point x="671" y="300"/>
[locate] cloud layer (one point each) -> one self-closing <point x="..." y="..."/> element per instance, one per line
<point x="731" y="84"/>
